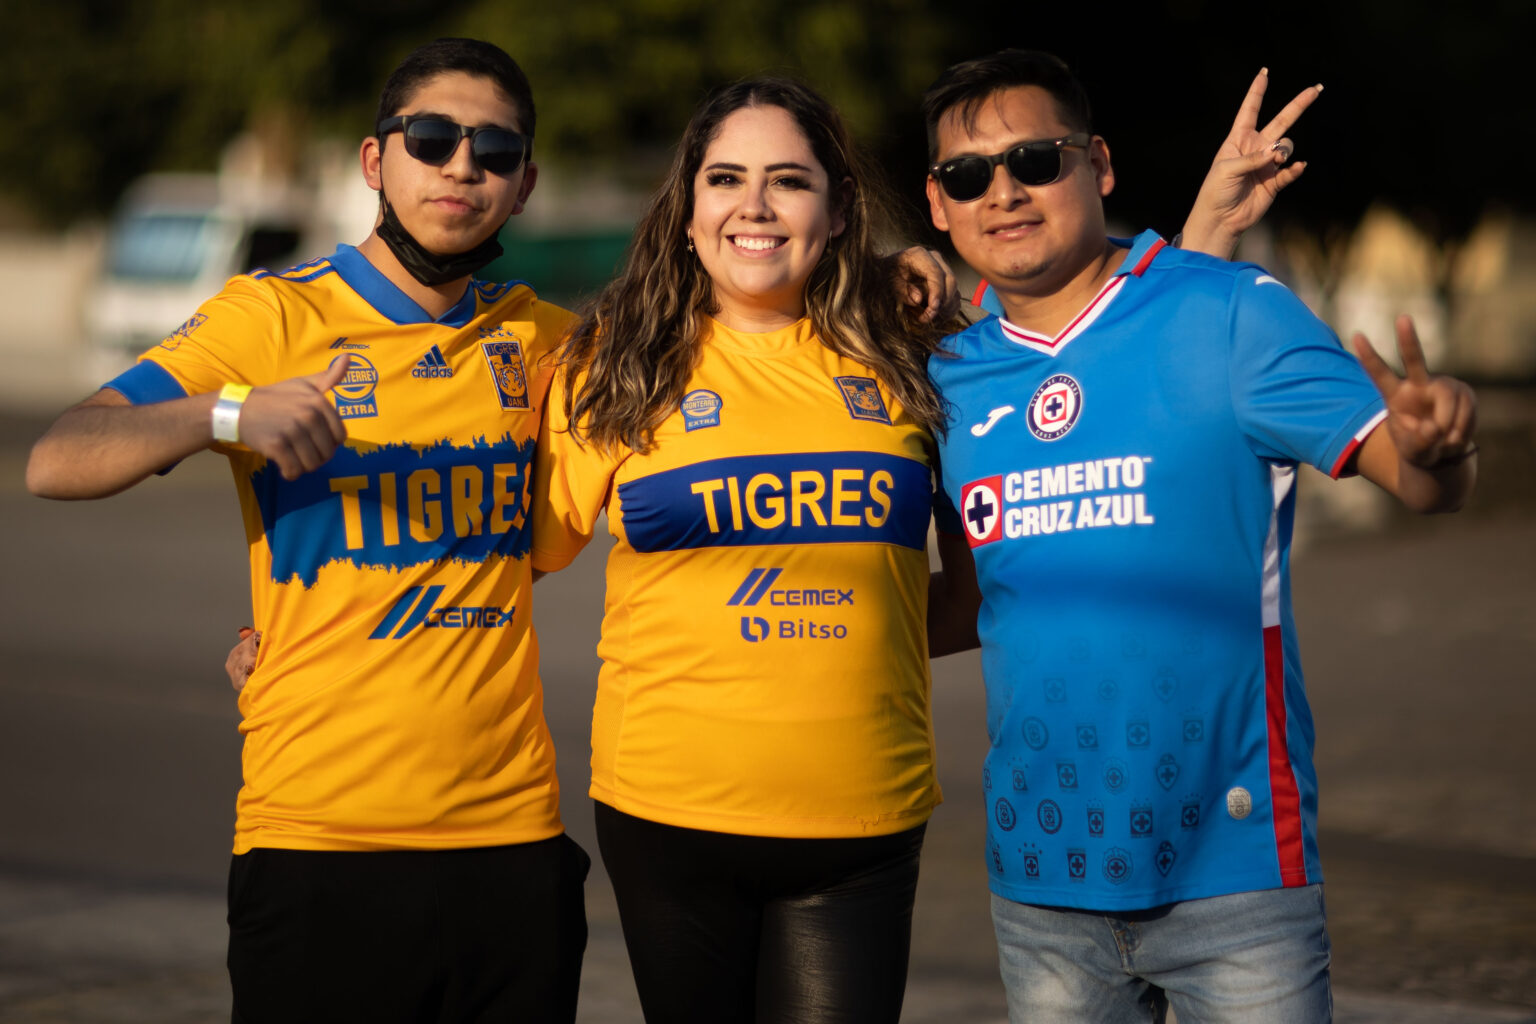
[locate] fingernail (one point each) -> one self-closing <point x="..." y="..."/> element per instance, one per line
<point x="1263" y="71"/>
<point x="1319" y="86"/>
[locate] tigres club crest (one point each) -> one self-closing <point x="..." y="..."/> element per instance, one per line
<point x="863" y="397"/>
<point x="505" y="358"/>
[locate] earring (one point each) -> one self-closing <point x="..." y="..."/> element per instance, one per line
<point x="690" y="244"/>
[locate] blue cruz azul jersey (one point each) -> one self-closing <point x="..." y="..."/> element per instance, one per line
<point x="1127" y="489"/>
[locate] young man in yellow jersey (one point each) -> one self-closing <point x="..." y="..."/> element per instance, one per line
<point x="398" y="851"/>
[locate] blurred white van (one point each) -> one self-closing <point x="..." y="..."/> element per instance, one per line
<point x="174" y="241"/>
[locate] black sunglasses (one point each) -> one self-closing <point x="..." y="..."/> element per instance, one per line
<point x="967" y="178"/>
<point x="433" y="140"/>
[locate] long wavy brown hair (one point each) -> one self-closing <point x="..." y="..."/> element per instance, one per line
<point x="635" y="348"/>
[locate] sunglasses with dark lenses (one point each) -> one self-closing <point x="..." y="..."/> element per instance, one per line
<point x="433" y="140"/>
<point x="967" y="178"/>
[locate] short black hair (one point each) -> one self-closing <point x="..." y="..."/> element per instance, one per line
<point x="470" y="56"/>
<point x="969" y="84"/>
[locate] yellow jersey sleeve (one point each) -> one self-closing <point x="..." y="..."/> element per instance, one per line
<point x="236" y="336"/>
<point x="572" y="480"/>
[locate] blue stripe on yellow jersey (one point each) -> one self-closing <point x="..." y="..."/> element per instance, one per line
<point x="803" y="498"/>
<point x="396" y="702"/>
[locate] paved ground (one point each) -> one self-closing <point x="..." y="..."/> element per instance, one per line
<point x="119" y="760"/>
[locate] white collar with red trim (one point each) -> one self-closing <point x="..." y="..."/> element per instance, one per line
<point x="1143" y="249"/>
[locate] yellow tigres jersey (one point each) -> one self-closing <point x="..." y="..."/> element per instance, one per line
<point x="396" y="702"/>
<point x="765" y="662"/>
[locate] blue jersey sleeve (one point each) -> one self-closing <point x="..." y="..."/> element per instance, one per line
<point x="1297" y="394"/>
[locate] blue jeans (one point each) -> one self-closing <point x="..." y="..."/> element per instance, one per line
<point x="1254" y="957"/>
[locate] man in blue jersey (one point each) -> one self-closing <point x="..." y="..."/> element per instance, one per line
<point x="1121" y="464"/>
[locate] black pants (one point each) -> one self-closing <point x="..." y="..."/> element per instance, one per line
<point x="725" y="928"/>
<point x="488" y="934"/>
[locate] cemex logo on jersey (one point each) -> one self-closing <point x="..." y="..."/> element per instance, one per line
<point x="759" y="586"/>
<point x="1020" y="504"/>
<point x="759" y="581"/>
<point x="418" y="608"/>
<point x="432" y="365"/>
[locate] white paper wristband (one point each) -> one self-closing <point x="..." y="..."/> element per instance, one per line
<point x="226" y="412"/>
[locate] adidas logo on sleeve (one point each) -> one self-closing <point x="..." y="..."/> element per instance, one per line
<point x="432" y="365"/>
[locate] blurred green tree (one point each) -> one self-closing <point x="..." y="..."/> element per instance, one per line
<point x="1422" y="109"/>
<point x="616" y="83"/>
<point x="110" y="90"/>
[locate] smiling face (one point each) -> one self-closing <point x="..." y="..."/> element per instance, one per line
<point x="763" y="213"/>
<point x="1031" y="240"/>
<point x="455" y="207"/>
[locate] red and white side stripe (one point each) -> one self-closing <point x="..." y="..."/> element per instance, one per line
<point x="1285" y="795"/>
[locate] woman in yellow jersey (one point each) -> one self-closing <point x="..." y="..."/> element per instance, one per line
<point x="753" y="412"/>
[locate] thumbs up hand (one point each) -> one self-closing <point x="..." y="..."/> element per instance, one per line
<point x="293" y="422"/>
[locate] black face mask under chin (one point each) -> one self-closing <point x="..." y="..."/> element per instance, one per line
<point x="428" y="267"/>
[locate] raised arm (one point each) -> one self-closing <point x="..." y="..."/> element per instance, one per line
<point x="105" y="445"/>
<point x="1424" y="453"/>
<point x="1247" y="174"/>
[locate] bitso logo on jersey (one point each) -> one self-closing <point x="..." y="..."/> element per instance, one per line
<point x="863" y="397"/>
<point x="758" y="589"/>
<point x="432" y="365"/>
<point x="505" y="358"/>
<point x="701" y="409"/>
<point x="1055" y="407"/>
<point x="981" y="508"/>
<point x="354" y="395"/>
<point x="173" y="341"/>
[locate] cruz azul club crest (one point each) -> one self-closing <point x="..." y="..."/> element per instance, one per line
<point x="1055" y="407"/>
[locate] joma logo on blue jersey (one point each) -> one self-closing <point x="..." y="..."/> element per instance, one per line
<point x="759" y="582"/>
<point x="418" y="607"/>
